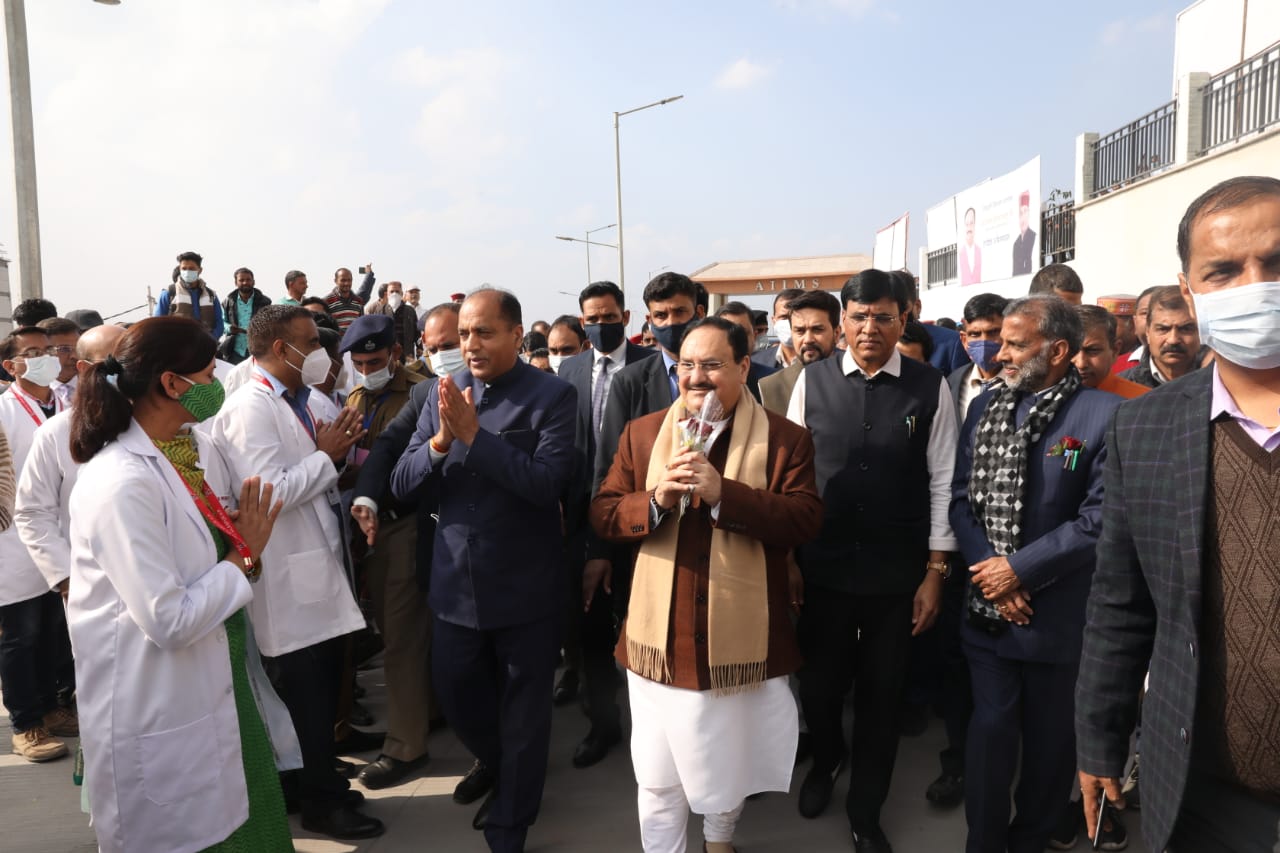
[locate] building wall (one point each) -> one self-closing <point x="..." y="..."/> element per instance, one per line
<point x="1126" y="240"/>
<point x="1213" y="35"/>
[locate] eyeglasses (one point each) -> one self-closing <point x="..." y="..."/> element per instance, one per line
<point x="687" y="367"/>
<point x="36" y="353"/>
<point x="880" y="319"/>
<point x="62" y="349"/>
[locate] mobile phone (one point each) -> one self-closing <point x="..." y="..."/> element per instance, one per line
<point x="364" y="270"/>
<point x="1102" y="811"/>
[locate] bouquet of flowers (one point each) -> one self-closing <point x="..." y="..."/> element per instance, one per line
<point x="695" y="430"/>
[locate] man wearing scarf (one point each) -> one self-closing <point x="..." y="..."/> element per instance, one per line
<point x="714" y="500"/>
<point x="1027" y="511"/>
<point x="189" y="296"/>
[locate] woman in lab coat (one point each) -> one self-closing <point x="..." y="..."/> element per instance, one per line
<point x="177" y="755"/>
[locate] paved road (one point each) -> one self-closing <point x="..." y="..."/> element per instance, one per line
<point x="584" y="811"/>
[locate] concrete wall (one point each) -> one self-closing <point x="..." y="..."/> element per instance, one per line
<point x="1213" y="35"/>
<point x="1126" y="240"/>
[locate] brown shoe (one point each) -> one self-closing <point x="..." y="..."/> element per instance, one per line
<point x="36" y="744"/>
<point x="62" y="722"/>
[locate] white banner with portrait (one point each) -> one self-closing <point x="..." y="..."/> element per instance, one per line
<point x="998" y="227"/>
<point x="890" y="252"/>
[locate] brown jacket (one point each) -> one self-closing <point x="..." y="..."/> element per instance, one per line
<point x="783" y="516"/>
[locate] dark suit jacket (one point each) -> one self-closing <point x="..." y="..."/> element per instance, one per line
<point x="783" y="515"/>
<point x="497" y="557"/>
<point x="577" y="372"/>
<point x="1022" y="249"/>
<point x="1060" y="528"/>
<point x="1144" y="609"/>
<point x="375" y="474"/>
<point x="775" y="389"/>
<point x="767" y="357"/>
<point x="948" y="350"/>
<point x="755" y="373"/>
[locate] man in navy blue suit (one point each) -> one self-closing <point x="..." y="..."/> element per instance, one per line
<point x="495" y="444"/>
<point x="1027" y="510"/>
<point x="604" y="319"/>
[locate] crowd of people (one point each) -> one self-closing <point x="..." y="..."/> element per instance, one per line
<point x="1052" y="524"/>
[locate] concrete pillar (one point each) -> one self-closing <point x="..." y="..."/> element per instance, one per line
<point x="1189" y="124"/>
<point x="24" y="152"/>
<point x="1084" y="167"/>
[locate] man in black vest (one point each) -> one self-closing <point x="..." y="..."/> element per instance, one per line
<point x="873" y="577"/>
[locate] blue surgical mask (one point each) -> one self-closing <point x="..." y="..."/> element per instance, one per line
<point x="670" y="337"/>
<point x="983" y="353"/>
<point x="1242" y="324"/>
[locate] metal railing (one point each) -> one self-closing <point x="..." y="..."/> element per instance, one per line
<point x="1134" y="151"/>
<point x="1242" y="100"/>
<point x="1058" y="228"/>
<point x="943" y="266"/>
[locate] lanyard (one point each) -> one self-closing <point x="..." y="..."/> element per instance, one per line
<point x="22" y="399"/>
<point x="373" y="410"/>
<point x="215" y="514"/>
<point x="309" y="427"/>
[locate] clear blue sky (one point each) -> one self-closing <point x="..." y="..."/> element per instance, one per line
<point x="450" y="142"/>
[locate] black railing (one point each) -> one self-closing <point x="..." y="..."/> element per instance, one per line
<point x="943" y="266"/>
<point x="1135" y="150"/>
<point x="1058" y="229"/>
<point x="1242" y="100"/>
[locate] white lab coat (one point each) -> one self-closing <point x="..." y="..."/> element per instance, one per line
<point x="44" y="494"/>
<point x="158" y="721"/>
<point x="304" y="597"/>
<point x="20" y="579"/>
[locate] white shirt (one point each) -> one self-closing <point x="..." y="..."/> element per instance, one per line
<point x="940" y="454"/>
<point x="64" y="391"/>
<point x="20" y="578"/>
<point x="41" y="511"/>
<point x="617" y="361"/>
<point x="970" y="387"/>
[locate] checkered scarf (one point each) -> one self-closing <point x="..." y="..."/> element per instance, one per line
<point x="996" y="480"/>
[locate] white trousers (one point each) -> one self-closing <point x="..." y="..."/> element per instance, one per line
<point x="664" y="821"/>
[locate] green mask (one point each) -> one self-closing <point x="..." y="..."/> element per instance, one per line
<point x="203" y="401"/>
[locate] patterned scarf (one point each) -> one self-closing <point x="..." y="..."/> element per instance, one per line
<point x="997" y="480"/>
<point x="181" y="451"/>
<point x="181" y="302"/>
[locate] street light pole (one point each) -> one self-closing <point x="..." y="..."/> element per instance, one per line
<point x="617" y="167"/>
<point x="589" y="243"/>
<point x="30" y="285"/>
<point x="588" y="234"/>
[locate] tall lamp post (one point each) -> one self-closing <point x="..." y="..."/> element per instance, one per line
<point x="31" y="284"/>
<point x="589" y="243"/>
<point x="617" y="165"/>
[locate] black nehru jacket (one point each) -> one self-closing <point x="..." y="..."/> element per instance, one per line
<point x="871" y="438"/>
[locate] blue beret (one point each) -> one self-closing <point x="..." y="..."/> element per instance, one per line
<point x="369" y="333"/>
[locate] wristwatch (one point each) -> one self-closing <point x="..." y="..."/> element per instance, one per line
<point x="942" y="567"/>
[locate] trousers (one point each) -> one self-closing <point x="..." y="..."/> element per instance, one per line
<point x="664" y="820"/>
<point x="35" y="659"/>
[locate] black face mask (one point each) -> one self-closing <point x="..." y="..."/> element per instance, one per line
<point x="670" y="337"/>
<point x="605" y="337"/>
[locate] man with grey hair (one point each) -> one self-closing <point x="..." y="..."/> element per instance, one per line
<point x="1027" y="509"/>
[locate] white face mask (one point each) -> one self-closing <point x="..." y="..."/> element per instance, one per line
<point x="1242" y="324"/>
<point x="447" y="362"/>
<point x="394" y="300"/>
<point x="782" y="328"/>
<point x="315" y="365"/>
<point x="42" y="370"/>
<point x="377" y="380"/>
<point x="190" y="276"/>
<point x="555" y="361"/>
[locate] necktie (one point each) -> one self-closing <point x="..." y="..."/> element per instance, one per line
<point x="600" y="393"/>
<point x="674" y="382"/>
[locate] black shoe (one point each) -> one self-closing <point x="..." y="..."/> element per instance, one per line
<point x="352" y="798"/>
<point x="482" y="814"/>
<point x="1112" y="836"/>
<point x="566" y="688"/>
<point x="594" y="747"/>
<point x="1067" y="833"/>
<point x="474" y="785"/>
<point x="360" y="741"/>
<point x="388" y="771"/>
<point x="947" y="791"/>
<point x="871" y="841"/>
<point x="359" y="715"/>
<point x="815" y="793"/>
<point x="344" y="823"/>
<point x="804" y="747"/>
<point x="913" y="720"/>
<point x="345" y="769"/>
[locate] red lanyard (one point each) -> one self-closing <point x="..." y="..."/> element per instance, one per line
<point x="310" y="429"/>
<point x="22" y="398"/>
<point x="215" y="514"/>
